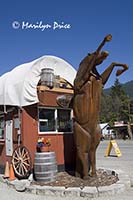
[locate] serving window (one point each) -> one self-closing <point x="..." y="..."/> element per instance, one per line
<point x="54" y="120"/>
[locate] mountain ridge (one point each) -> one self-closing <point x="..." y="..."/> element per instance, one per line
<point x="127" y="87"/>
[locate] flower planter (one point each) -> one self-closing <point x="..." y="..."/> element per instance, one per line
<point x="43" y="145"/>
<point x="45" y="149"/>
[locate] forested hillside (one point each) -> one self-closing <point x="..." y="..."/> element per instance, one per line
<point x="117" y="103"/>
<point x="127" y="87"/>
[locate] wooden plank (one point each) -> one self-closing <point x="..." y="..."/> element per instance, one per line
<point x="60" y="90"/>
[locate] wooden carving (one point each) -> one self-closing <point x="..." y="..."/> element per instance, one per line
<point x="86" y="105"/>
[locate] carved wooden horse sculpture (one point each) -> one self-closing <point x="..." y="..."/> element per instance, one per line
<point x="86" y="105"/>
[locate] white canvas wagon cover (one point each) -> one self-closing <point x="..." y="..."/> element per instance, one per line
<point x="19" y="86"/>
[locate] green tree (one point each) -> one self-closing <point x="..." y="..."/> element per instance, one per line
<point x="117" y="91"/>
<point x="114" y="107"/>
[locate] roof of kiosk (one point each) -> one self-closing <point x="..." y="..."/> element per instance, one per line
<point x="19" y="86"/>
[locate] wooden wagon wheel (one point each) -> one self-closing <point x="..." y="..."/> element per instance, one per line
<point x="21" y="161"/>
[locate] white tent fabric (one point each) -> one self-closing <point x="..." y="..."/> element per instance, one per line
<point x="19" y="86"/>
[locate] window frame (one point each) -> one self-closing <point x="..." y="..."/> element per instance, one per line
<point x="56" y="121"/>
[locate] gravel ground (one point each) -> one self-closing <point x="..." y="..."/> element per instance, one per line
<point x="103" y="178"/>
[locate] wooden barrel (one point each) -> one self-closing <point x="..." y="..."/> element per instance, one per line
<point x="45" y="166"/>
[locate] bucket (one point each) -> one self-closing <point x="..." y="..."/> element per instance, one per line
<point x="47" y="77"/>
<point x="45" y="167"/>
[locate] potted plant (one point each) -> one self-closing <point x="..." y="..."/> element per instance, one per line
<point x="43" y="144"/>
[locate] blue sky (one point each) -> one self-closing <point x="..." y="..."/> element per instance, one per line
<point x="88" y="22"/>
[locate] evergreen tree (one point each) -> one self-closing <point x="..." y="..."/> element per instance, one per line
<point x="114" y="107"/>
<point x="117" y="90"/>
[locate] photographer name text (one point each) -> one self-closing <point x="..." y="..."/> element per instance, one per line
<point x="24" y="25"/>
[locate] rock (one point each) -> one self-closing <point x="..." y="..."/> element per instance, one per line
<point x="30" y="178"/>
<point x="21" y="185"/>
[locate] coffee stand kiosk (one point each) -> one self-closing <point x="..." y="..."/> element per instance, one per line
<point x="29" y="109"/>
